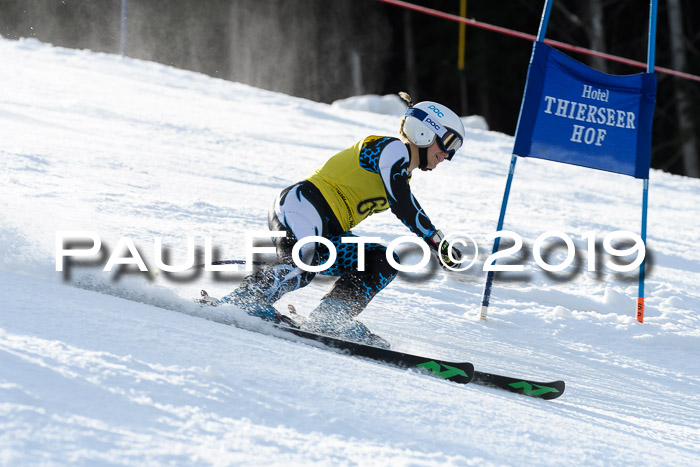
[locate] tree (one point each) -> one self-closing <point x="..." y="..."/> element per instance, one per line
<point x="689" y="140"/>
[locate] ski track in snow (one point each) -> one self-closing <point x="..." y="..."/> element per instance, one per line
<point x="96" y="370"/>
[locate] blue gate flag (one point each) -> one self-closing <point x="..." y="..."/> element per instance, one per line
<point x="574" y="114"/>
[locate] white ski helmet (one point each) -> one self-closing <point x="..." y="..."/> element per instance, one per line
<point x="427" y="120"/>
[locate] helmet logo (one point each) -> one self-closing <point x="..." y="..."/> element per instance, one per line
<point x="431" y="122"/>
<point x="436" y="111"/>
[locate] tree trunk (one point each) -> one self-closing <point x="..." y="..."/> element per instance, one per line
<point x="596" y="33"/>
<point x="409" y="56"/>
<point x="689" y="141"/>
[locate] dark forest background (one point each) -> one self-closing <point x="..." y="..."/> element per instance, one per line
<point x="326" y="50"/>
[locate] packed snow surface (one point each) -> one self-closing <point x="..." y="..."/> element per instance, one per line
<point x="105" y="368"/>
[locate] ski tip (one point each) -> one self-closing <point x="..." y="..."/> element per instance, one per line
<point x="561" y="386"/>
<point x="547" y="391"/>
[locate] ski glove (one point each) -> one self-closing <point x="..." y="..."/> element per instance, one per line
<point x="441" y="249"/>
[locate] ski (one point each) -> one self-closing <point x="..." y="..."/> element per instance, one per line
<point x="457" y="372"/>
<point x="550" y="390"/>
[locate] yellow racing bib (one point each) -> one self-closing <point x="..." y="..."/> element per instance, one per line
<point x="351" y="183"/>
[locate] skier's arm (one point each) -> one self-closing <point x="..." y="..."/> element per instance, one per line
<point x="393" y="168"/>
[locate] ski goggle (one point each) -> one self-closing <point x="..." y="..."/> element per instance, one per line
<point x="448" y="139"/>
<point x="449" y="142"/>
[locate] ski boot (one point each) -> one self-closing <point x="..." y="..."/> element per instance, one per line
<point x="252" y="300"/>
<point x="332" y="318"/>
<point x="268" y="315"/>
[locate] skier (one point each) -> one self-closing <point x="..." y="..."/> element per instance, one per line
<point x="369" y="177"/>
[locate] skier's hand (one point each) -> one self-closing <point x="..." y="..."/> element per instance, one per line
<point x="443" y="250"/>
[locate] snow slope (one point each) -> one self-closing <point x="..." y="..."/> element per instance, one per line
<point x="96" y="370"/>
